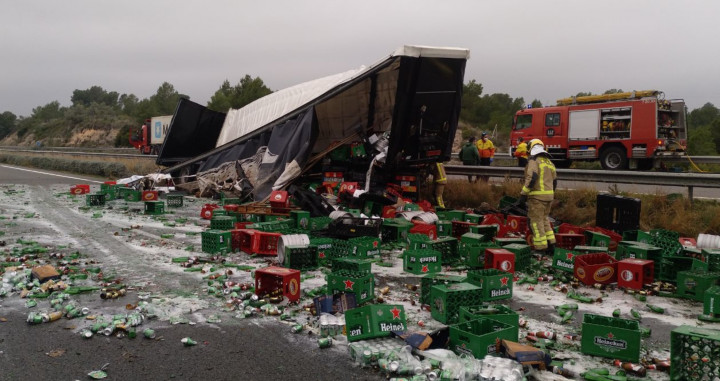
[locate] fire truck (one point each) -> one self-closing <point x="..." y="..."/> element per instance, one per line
<point x="150" y="137"/>
<point x="628" y="130"/>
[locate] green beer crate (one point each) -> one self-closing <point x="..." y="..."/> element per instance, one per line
<point x="365" y="246"/>
<point x="356" y="265"/>
<point x="474" y="253"/>
<point x="496" y="312"/>
<point x="495" y="284"/>
<point x="132" y="195"/>
<point x="473" y="238"/>
<point x="692" y="284"/>
<point x="95" y="199"/>
<point x="610" y="337"/>
<point x="326" y="249"/>
<point x="596" y="239"/>
<point x="363" y="285"/>
<point x="489" y="230"/>
<point x="667" y="268"/>
<point x="446" y="300"/>
<point x="564" y="260"/>
<point x="123" y="192"/>
<point x="591" y="249"/>
<point x="418" y="241"/>
<point x="448" y="246"/>
<point x="374" y="320"/>
<point x="216" y="241"/>
<point x="155" y="208"/>
<point x="111" y="191"/>
<point x="523" y="255"/>
<point x="633" y="249"/>
<point x="694" y="353"/>
<point x="444" y="228"/>
<point x="230" y="201"/>
<point x="712" y="258"/>
<point x="174" y="200"/>
<point x="222" y="222"/>
<point x="480" y="337"/>
<point x="711" y="302"/>
<point x="453" y="215"/>
<point x="636" y="235"/>
<point x="422" y="261"/>
<point x="301" y="257"/>
<point x="395" y="229"/>
<point x="473" y="218"/>
<point x="428" y="281"/>
<point x="301" y="219"/>
<point x="509" y="240"/>
<point x="274" y="226"/>
<point x="319" y="223"/>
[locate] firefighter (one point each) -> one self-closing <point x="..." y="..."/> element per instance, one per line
<point x="469" y="155"/>
<point x="538" y="193"/>
<point x="521" y="152"/>
<point x="440" y="180"/>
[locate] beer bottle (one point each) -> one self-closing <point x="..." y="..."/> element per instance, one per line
<point x="634" y="369"/>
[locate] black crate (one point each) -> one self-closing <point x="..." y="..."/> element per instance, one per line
<point x="349" y="227"/>
<point x="617" y="213"/>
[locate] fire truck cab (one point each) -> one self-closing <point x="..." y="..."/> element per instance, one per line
<point x="623" y="130"/>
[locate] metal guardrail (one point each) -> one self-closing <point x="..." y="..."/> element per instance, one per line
<point x="689" y="180"/>
<point x="696" y="159"/>
<point x="79" y="153"/>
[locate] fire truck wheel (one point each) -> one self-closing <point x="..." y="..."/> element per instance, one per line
<point x="613" y="158"/>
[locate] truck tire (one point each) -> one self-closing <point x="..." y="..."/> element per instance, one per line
<point x="613" y="158"/>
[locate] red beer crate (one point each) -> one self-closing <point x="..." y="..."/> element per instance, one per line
<point x="231" y="208"/>
<point x="257" y="242"/>
<point x="206" y="212"/>
<point x="500" y="259"/>
<point x="389" y="211"/>
<point x="149" y="195"/>
<point x="242" y="224"/>
<point x="461" y="227"/>
<point x="566" y="228"/>
<point x="348" y="187"/>
<point x="569" y="240"/>
<point x="429" y="230"/>
<point x="634" y="273"/>
<point x="517" y="224"/>
<point x="279" y="201"/>
<point x="596" y="268"/>
<point x="614" y="237"/>
<point x="687" y="242"/>
<point x="80" y="189"/>
<point x="272" y="278"/>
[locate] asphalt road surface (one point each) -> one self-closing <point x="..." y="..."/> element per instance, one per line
<point x="233" y="349"/>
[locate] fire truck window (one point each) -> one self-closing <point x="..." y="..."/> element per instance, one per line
<point x="552" y="119"/>
<point x="523" y="121"/>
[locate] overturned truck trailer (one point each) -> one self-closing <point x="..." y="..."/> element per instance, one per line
<point x="375" y="126"/>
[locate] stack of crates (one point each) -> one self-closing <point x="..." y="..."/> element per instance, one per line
<point x="422" y="261"/>
<point x="523" y="255"/>
<point x="694" y="353"/>
<point x="301" y="257"/>
<point x="496" y="312"/>
<point x="365" y="247"/>
<point x="446" y="300"/>
<point x="418" y="241"/>
<point x="480" y="337"/>
<point x="374" y="320"/>
<point x="474" y="253"/>
<point x="712" y="258"/>
<point x="667" y="240"/>
<point x="155" y="208"/>
<point x="692" y="284"/>
<point x="448" y="246"/>
<point x="325" y="249"/>
<point x="495" y="284"/>
<point x="216" y="241"/>
<point x="362" y="285"/>
<point x="444" y="228"/>
<point x="428" y="281"/>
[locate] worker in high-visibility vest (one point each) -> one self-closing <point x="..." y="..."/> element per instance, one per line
<point x="521" y="152"/>
<point x="538" y="192"/>
<point x="440" y="180"/>
<point x="486" y="149"/>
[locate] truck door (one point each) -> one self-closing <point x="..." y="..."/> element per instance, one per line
<point x="552" y="126"/>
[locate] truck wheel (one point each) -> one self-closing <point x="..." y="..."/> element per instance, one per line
<point x="613" y="158"/>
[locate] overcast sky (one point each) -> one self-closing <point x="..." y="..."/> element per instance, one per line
<point x="526" y="48"/>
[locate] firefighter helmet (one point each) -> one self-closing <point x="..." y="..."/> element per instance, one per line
<point x="536" y="146"/>
<point x="535" y="142"/>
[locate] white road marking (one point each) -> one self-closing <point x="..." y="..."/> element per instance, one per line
<point x="50" y="174"/>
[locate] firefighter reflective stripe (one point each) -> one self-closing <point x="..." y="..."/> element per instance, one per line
<point x="545" y="170"/>
<point x="440" y="171"/>
<point x="539" y="240"/>
<point x="550" y="236"/>
<point x="525" y="190"/>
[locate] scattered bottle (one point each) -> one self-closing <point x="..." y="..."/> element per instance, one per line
<point x="634" y="369"/>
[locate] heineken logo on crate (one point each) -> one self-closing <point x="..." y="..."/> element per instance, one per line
<point x="500" y="292"/>
<point x="566" y="265"/>
<point x="356" y="331"/>
<point x="349" y="284"/>
<point x="432" y="259"/>
<point x="627" y="275"/>
<point x="388" y="327"/>
<point x="505" y="266"/>
<point x="463" y="349"/>
<point x="425" y="269"/>
<point x="321" y="254"/>
<point x="610" y="342"/>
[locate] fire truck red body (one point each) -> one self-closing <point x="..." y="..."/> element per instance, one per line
<point x="624" y="130"/>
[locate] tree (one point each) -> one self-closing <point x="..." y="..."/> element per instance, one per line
<point x="245" y="92"/>
<point x="536" y="104"/>
<point x="703" y="116"/>
<point x="50" y="111"/>
<point x="95" y="94"/>
<point x="165" y="100"/>
<point x="701" y="142"/>
<point x="613" y="91"/>
<point x="7" y="123"/>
